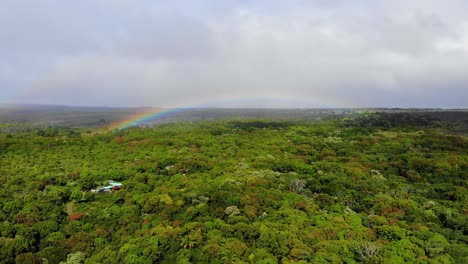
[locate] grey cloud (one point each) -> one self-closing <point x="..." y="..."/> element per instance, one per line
<point x="312" y="53"/>
<point x="168" y="36"/>
<point x="37" y="28"/>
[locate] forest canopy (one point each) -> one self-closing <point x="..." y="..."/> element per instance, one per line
<point x="242" y="191"/>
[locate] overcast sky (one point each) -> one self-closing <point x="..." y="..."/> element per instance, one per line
<point x="322" y="53"/>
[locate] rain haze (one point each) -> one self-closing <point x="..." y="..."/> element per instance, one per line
<point x="333" y="53"/>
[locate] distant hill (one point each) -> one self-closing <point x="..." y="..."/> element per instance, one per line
<point x="20" y="117"/>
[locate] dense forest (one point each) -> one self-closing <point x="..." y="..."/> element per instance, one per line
<point x="245" y="191"/>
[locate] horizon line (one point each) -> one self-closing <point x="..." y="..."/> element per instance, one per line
<point x="2" y="104"/>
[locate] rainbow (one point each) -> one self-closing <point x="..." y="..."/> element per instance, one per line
<point x="144" y="116"/>
<point x="148" y="114"/>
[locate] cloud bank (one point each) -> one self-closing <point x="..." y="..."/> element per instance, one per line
<point x="337" y="53"/>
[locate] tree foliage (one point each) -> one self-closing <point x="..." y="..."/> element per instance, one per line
<point x="236" y="192"/>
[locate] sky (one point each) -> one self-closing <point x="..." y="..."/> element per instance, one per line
<point x="310" y="53"/>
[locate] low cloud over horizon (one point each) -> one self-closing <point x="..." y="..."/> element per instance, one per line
<point x="335" y="53"/>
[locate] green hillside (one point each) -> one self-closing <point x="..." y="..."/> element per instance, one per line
<point x="235" y="192"/>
